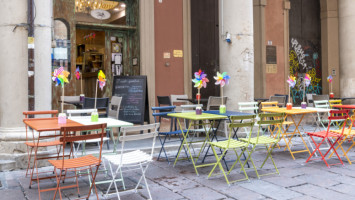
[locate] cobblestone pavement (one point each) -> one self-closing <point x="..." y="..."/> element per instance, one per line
<point x="297" y="180"/>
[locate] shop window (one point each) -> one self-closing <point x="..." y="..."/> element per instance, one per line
<point x="61" y="45"/>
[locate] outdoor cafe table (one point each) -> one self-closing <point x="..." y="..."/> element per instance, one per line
<point x="208" y="121"/>
<point x="111" y="123"/>
<point x="44" y="125"/>
<point x="290" y="136"/>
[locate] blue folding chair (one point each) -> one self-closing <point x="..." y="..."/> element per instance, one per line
<point x="162" y="112"/>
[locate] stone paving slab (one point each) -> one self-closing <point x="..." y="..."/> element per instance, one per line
<point x="297" y="180"/>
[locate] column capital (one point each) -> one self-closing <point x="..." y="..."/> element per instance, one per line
<point x="287" y="5"/>
<point x="259" y="2"/>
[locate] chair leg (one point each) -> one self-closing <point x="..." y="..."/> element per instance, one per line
<point x="145" y="180"/>
<point x="114" y="180"/>
<point x="251" y="160"/>
<point x="93" y="182"/>
<point x="162" y="148"/>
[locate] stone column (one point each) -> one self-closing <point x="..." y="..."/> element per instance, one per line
<point x="237" y="57"/>
<point x="13" y="67"/>
<point x="259" y="48"/>
<point x="43" y="66"/>
<point x="147" y="47"/>
<point x="347" y="47"/>
<point x="330" y="44"/>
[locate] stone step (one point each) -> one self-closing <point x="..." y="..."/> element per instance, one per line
<point x="7" y="165"/>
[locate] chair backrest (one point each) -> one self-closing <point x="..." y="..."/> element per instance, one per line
<point x="79" y="112"/>
<point x="164" y="100"/>
<point x="159" y="112"/>
<point x="70" y="98"/>
<point x="178" y="103"/>
<point x="214" y="102"/>
<point x="114" y="107"/>
<point x="320" y="97"/>
<point x="248" y="107"/>
<point x="239" y="122"/>
<point x="271" y="104"/>
<point x="336" y="115"/>
<point x="190" y="107"/>
<point x="334" y="102"/>
<point x="280" y="99"/>
<point x="321" y="104"/>
<point x="30" y="114"/>
<point x="135" y="133"/>
<point x="68" y="135"/>
<point x="285" y="95"/>
<point x="101" y="104"/>
<point x="309" y="100"/>
<point x="274" y="119"/>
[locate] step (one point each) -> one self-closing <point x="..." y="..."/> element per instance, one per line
<point x="7" y="165"/>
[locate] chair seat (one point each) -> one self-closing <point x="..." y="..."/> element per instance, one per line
<point x="346" y="132"/>
<point x="172" y="132"/>
<point x="262" y="140"/>
<point x="93" y="140"/>
<point x="232" y="144"/>
<point x="44" y="144"/>
<point x="133" y="157"/>
<point x="84" y="161"/>
<point x="323" y="134"/>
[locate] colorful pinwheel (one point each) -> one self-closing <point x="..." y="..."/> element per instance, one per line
<point x="102" y="79"/>
<point x="200" y="79"/>
<point x="307" y="79"/>
<point x="60" y="76"/>
<point x="329" y="78"/>
<point x="291" y="81"/>
<point x="222" y="79"/>
<point x="77" y="73"/>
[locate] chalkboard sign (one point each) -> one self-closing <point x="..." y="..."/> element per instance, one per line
<point x="134" y="104"/>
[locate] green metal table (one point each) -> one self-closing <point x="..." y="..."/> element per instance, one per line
<point x="207" y="120"/>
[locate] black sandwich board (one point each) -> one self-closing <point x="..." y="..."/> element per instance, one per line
<point x="134" y="104"/>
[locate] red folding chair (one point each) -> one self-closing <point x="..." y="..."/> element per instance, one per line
<point x="328" y="135"/>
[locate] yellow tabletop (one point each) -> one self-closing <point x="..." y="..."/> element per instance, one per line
<point x="288" y="112"/>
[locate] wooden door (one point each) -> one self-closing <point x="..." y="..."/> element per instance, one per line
<point x="204" y="42"/>
<point x="305" y="46"/>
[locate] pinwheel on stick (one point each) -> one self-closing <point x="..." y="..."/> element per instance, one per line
<point x="60" y="77"/>
<point x="222" y="80"/>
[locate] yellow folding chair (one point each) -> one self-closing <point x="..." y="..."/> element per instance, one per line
<point x="242" y="121"/>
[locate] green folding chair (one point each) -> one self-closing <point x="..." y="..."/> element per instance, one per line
<point x="274" y="119"/>
<point x="233" y="144"/>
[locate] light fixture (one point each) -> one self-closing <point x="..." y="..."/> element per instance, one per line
<point x="86" y="6"/>
<point x="116" y="9"/>
<point x="123" y="5"/>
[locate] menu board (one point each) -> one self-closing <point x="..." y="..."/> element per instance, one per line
<point x="134" y="104"/>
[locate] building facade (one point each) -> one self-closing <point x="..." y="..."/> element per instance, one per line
<point x="168" y="40"/>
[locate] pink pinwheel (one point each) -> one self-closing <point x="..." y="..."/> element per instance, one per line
<point x="222" y="79"/>
<point x="329" y="78"/>
<point x="200" y="79"/>
<point x="307" y="79"/>
<point x="77" y="73"/>
<point x="291" y="81"/>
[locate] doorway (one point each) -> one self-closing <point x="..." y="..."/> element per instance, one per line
<point x="305" y="47"/>
<point x="205" y="42"/>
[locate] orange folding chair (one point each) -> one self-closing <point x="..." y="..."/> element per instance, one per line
<point x="32" y="142"/>
<point x="328" y="135"/>
<point x="87" y="162"/>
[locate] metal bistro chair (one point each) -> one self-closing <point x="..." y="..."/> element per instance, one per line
<point x="85" y="113"/>
<point x="232" y="144"/>
<point x="328" y="135"/>
<point x="280" y="99"/>
<point x="87" y="162"/>
<point x="101" y="105"/>
<point x="114" y="107"/>
<point x="128" y="160"/>
<point x="336" y="123"/>
<point x="158" y="113"/>
<point x="269" y="143"/>
<point x="178" y="103"/>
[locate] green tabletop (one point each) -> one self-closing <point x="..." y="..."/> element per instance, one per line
<point x="193" y="116"/>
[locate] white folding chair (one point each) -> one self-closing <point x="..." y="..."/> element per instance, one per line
<point x="249" y="107"/>
<point x="79" y="114"/>
<point x="178" y="103"/>
<point x="128" y="160"/>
